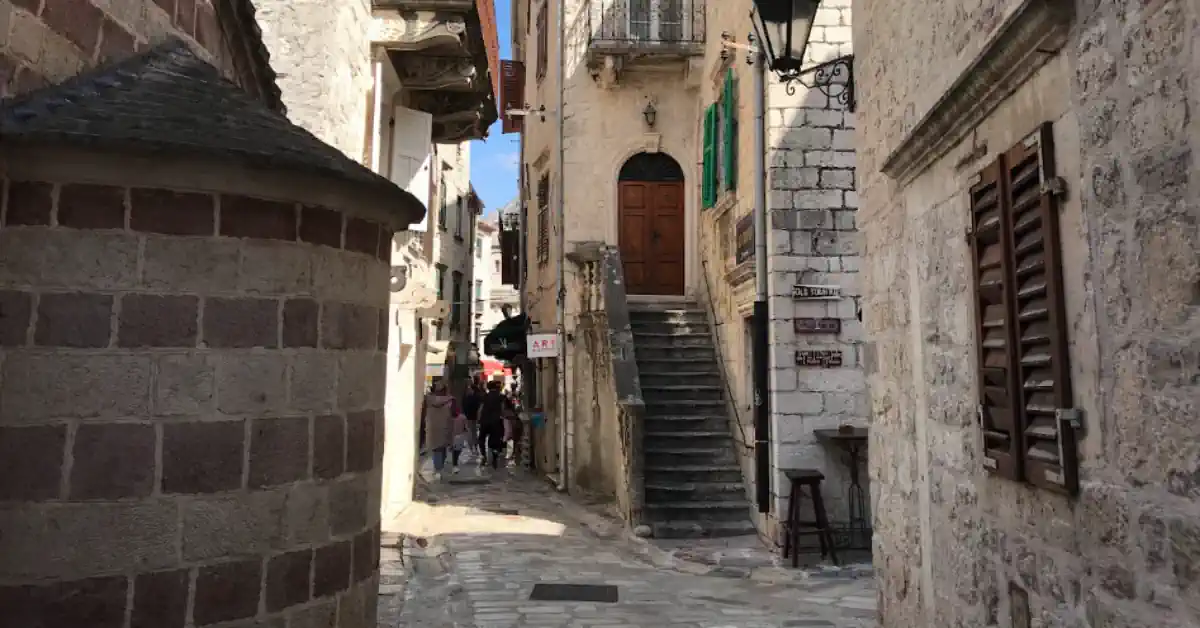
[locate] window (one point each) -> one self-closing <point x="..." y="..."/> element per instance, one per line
<point x="543" y="42"/>
<point x="720" y="144"/>
<point x="1025" y="396"/>
<point x="460" y="219"/>
<point x="456" y="300"/>
<point x="478" y="289"/>
<point x="496" y="266"/>
<point x="478" y="247"/>
<point x="543" y="219"/>
<point x="440" y="278"/>
<point x="443" y="208"/>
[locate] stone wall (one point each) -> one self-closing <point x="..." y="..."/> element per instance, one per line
<point x="191" y="388"/>
<point x="954" y="545"/>
<point x="813" y="240"/>
<point x="322" y="52"/>
<point x="47" y="41"/>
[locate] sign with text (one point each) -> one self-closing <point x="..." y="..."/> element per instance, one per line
<point x="808" y="292"/>
<point x="743" y="236"/>
<point x="541" y="346"/>
<point x="823" y="358"/>
<point x="818" y="325"/>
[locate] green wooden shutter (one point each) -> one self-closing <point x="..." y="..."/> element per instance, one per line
<point x="708" y="184"/>
<point x="729" y="133"/>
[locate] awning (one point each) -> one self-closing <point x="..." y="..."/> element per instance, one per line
<point x="506" y="341"/>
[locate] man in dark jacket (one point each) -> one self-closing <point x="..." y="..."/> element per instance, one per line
<point x="471" y="400"/>
<point x="492" y="410"/>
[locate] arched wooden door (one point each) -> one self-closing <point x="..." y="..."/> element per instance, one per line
<point x="651" y="224"/>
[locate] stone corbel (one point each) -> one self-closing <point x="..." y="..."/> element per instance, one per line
<point x="1024" y="42"/>
<point x="414" y="31"/>
<point x="435" y="73"/>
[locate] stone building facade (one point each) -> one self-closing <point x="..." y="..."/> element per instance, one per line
<point x="604" y="127"/>
<point x="191" y="354"/>
<point x="812" y="240"/>
<point x="1063" y="497"/>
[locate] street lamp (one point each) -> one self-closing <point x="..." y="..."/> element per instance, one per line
<point x="781" y="30"/>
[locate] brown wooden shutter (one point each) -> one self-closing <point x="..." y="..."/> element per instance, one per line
<point x="996" y="334"/>
<point x="1031" y="190"/>
<point x="512" y="95"/>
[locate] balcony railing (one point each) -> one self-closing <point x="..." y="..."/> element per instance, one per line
<point x="646" y="26"/>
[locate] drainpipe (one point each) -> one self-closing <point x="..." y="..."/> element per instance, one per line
<point x="560" y="288"/>
<point x="761" y="315"/>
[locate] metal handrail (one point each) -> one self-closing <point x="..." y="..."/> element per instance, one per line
<point x="652" y="22"/>
<point x="712" y="310"/>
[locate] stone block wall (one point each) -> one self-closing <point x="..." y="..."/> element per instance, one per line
<point x="322" y="52"/>
<point x="955" y="545"/>
<point x="47" y="41"/>
<point x="191" y="393"/>
<point x="813" y="239"/>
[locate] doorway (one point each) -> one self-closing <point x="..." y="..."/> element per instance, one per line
<point x="651" y="230"/>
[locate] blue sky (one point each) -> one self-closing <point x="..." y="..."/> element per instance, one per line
<point x="495" y="162"/>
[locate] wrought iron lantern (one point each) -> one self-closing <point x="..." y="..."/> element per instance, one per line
<point x="781" y="34"/>
<point x="650" y="114"/>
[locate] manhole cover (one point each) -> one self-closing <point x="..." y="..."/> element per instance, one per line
<point x="546" y="592"/>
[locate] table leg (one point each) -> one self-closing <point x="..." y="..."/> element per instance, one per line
<point x="858" y="502"/>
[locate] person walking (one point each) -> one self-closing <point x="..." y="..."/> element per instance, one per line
<point x="471" y="401"/>
<point x="438" y="413"/>
<point x="492" y="411"/>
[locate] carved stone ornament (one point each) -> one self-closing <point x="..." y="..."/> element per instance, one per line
<point x="420" y="30"/>
<point x="1029" y="37"/>
<point x="423" y="72"/>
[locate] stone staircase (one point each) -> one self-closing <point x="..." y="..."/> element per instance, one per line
<point x="694" y="485"/>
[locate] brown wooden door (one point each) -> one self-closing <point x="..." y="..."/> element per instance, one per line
<point x="652" y="236"/>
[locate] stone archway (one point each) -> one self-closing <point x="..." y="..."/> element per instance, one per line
<point x="651" y="224"/>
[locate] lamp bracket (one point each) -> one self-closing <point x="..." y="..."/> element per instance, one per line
<point x="834" y="78"/>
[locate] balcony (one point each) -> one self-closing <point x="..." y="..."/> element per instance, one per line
<point x="647" y="30"/>
<point x="446" y="55"/>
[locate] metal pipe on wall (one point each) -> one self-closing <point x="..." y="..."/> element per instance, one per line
<point x="560" y="289"/>
<point x="761" y="315"/>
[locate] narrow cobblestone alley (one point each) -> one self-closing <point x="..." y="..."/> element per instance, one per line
<point x="488" y="544"/>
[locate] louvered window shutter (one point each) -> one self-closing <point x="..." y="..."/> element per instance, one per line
<point x="708" y="184"/>
<point x="1051" y="458"/>
<point x="729" y="133"/>
<point x="996" y="334"/>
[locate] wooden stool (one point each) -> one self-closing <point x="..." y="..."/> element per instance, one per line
<point x="792" y="531"/>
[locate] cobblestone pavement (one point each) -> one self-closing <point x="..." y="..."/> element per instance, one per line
<point x="473" y="551"/>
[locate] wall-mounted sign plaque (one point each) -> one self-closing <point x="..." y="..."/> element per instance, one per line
<point x="818" y="325"/>
<point x="825" y="358"/>
<point x="803" y="291"/>
<point x="743" y="235"/>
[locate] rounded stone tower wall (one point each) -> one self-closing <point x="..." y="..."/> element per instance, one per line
<point x="191" y="394"/>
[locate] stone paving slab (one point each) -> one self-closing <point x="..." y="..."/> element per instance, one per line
<point x="477" y="568"/>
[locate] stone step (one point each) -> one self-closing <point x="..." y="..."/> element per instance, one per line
<point x="663" y="473"/>
<point x="686" y="423"/>
<point x="673" y="492"/>
<point x="726" y="510"/>
<point x="648" y="353"/>
<point x="670" y="326"/>
<point x="690" y="455"/>
<point x="667" y="339"/>
<point x="701" y="529"/>
<point x="656" y="362"/>
<point x="692" y="374"/>
<point x="684" y="408"/>
<point x="653" y="394"/>
<point x="682" y="439"/>
<point x="641" y="309"/>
